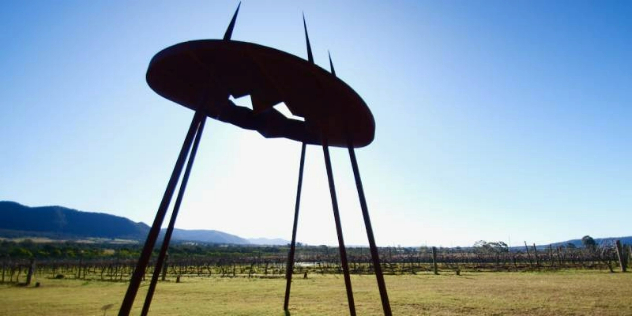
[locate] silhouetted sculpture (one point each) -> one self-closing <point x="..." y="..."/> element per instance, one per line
<point x="203" y="74"/>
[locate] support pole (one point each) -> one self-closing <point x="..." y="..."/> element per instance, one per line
<point x="535" y="255"/>
<point x="434" y="261"/>
<point x="172" y="221"/>
<point x="528" y="255"/>
<point x="369" y="231"/>
<point x="290" y="257"/>
<point x="139" y="272"/>
<point x="29" y="275"/>
<point x="621" y="256"/>
<point x="341" y="243"/>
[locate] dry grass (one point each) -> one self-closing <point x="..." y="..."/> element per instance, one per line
<point x="551" y="293"/>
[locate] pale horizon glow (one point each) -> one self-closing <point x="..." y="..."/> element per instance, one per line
<point x="495" y="120"/>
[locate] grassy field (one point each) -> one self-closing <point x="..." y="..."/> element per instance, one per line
<point x="545" y="293"/>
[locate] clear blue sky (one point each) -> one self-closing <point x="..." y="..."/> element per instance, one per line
<point x="496" y="120"/>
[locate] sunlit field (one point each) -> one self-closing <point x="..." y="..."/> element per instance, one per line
<point x="518" y="293"/>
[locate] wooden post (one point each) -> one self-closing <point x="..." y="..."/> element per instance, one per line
<point x="434" y="260"/>
<point x="166" y="267"/>
<point x="528" y="254"/>
<point x="535" y="255"/>
<point x="629" y="253"/>
<point x="29" y="275"/>
<point x="621" y="256"/>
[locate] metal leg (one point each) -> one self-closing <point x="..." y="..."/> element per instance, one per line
<point x="341" y="243"/>
<point x="139" y="272"/>
<point x="290" y="257"/>
<point x="172" y="221"/>
<point x="369" y="231"/>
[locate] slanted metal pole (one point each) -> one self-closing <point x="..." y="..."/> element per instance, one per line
<point x="290" y="257"/>
<point x="172" y="221"/>
<point x="341" y="243"/>
<point x="137" y="276"/>
<point x="369" y="231"/>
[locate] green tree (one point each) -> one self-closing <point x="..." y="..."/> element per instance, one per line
<point x="589" y="243"/>
<point x="20" y="252"/>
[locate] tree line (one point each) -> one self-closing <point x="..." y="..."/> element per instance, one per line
<point x="112" y="262"/>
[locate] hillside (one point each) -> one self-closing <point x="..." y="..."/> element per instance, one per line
<point x="61" y="222"/>
<point x="57" y="222"/>
<point x="205" y="236"/>
<point x="268" y="241"/>
<point x="600" y="241"/>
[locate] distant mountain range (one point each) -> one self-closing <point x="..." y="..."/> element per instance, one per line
<point x="57" y="222"/>
<point x="600" y="241"/>
<point x="268" y="241"/>
<point x="206" y="236"/>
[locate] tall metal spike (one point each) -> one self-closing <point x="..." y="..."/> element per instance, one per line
<point x="310" y="57"/>
<point x="331" y="65"/>
<point x="231" y="26"/>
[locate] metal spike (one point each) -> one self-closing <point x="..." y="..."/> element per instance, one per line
<point x="331" y="65"/>
<point x="310" y="57"/>
<point x="231" y="26"/>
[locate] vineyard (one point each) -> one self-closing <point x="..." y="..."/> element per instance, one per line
<point x="108" y="262"/>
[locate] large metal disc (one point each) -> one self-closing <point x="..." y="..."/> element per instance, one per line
<point x="201" y="74"/>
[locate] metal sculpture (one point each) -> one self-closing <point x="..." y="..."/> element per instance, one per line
<point x="202" y="74"/>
